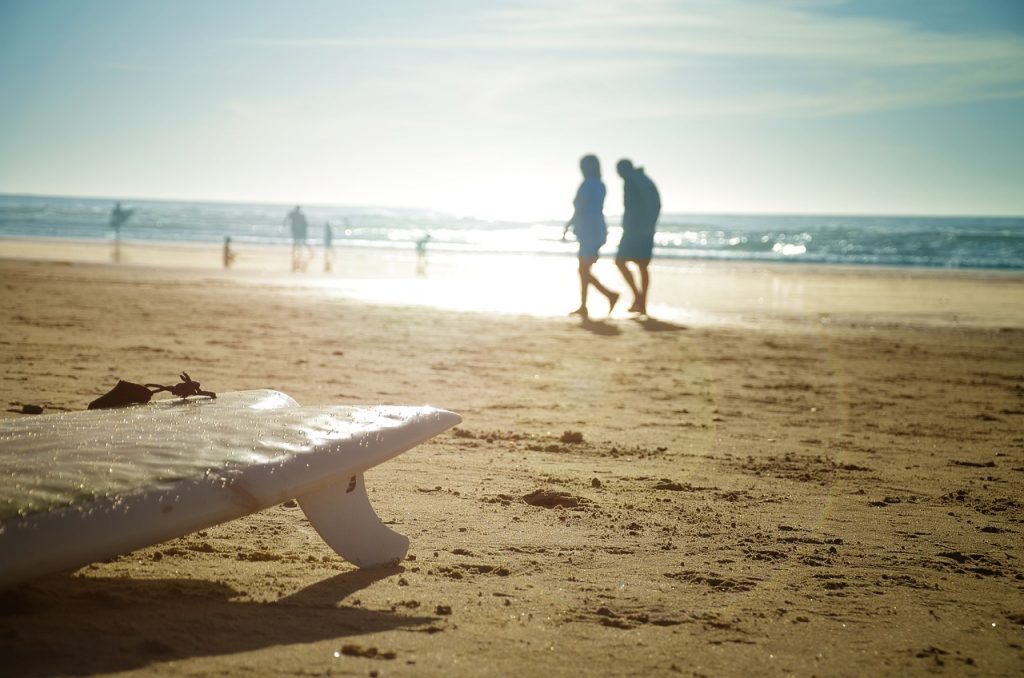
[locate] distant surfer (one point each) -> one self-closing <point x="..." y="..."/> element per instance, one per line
<point x="641" y="207"/>
<point x="118" y="216"/>
<point x="328" y="246"/>
<point x="296" y="220"/>
<point x="421" y="254"/>
<point x="591" y="231"/>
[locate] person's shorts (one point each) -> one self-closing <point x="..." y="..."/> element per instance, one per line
<point x="636" y="246"/>
<point x="589" y="249"/>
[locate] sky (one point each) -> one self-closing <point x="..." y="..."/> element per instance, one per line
<point x="484" y="108"/>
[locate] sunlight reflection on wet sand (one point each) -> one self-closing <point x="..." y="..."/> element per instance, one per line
<point x="698" y="293"/>
<point x="508" y="285"/>
<point x="684" y="292"/>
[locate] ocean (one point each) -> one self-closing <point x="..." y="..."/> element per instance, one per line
<point x="950" y="242"/>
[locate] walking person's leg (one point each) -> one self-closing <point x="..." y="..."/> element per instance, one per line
<point x="585" y="278"/>
<point x="645" y="283"/>
<point x="588" y="278"/>
<point x="627" y="275"/>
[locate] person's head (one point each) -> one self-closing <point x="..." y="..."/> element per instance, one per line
<point x="590" y="166"/>
<point x="624" y="167"/>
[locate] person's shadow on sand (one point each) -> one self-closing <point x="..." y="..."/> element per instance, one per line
<point x="600" y="327"/>
<point x="83" y="625"/>
<point x="654" y="325"/>
<point x="607" y="329"/>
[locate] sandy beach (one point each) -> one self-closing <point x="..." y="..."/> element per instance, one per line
<point x="784" y="470"/>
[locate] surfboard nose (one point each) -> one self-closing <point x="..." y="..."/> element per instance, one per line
<point x="447" y="418"/>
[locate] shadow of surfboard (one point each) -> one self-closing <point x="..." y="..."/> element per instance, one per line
<point x="83" y="625"/>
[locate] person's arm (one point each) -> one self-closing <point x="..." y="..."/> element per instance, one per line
<point x="628" y="193"/>
<point x="576" y="204"/>
<point x="568" y="225"/>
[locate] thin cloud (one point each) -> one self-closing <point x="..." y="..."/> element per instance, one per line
<point x="812" y="64"/>
<point x="783" y="31"/>
<point x="698" y="27"/>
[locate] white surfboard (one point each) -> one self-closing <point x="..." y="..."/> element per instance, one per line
<point x="79" y="487"/>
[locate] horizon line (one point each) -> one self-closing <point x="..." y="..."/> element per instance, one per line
<point x="778" y="213"/>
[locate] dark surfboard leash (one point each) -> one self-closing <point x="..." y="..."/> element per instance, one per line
<point x="127" y="393"/>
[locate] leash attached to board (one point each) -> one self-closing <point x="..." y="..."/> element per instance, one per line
<point x="126" y="393"/>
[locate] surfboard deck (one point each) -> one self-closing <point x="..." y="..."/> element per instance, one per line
<point x="79" y="487"/>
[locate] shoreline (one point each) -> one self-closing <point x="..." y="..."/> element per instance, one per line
<point x="697" y="292"/>
<point x="266" y="257"/>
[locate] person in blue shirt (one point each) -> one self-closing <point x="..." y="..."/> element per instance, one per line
<point x="588" y="224"/>
<point x="641" y="207"/>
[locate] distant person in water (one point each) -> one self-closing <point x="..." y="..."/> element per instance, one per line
<point x="328" y="247"/>
<point x="301" y="251"/>
<point x="118" y="216"/>
<point x="588" y="224"/>
<point x="229" y="254"/>
<point x="641" y="207"/>
<point x="421" y="254"/>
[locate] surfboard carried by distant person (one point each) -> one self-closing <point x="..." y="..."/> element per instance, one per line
<point x="79" y="487"/>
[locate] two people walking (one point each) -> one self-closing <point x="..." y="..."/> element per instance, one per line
<point x="641" y="207"/>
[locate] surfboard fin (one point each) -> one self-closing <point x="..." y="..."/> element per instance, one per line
<point x="342" y="515"/>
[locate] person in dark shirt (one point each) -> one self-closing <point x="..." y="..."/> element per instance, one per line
<point x="641" y="207"/>
<point x="301" y="251"/>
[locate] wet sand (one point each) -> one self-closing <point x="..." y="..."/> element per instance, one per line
<point x="785" y="470"/>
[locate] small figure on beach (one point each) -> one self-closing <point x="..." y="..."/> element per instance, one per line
<point x="328" y="247"/>
<point x="301" y="251"/>
<point x="641" y="207"/>
<point x="591" y="231"/>
<point x="229" y="254"/>
<point x="421" y="255"/>
<point x="118" y="216"/>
